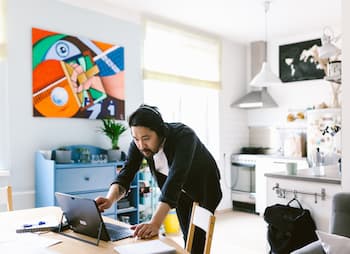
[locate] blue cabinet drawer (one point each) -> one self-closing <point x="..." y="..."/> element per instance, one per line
<point x="84" y="179"/>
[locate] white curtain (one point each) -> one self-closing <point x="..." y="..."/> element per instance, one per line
<point x="182" y="78"/>
<point x="2" y="29"/>
<point x="175" y="55"/>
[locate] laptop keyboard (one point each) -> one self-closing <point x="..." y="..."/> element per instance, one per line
<point x="118" y="232"/>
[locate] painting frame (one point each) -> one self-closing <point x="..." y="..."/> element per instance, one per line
<point x="299" y="61"/>
<point x="76" y="77"/>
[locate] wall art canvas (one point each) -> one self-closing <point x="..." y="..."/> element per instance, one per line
<point x="76" y="77"/>
<point x="299" y="61"/>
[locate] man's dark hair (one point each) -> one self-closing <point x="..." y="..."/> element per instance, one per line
<point x="148" y="116"/>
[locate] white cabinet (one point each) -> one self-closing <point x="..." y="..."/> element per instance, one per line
<point x="270" y="164"/>
<point x="320" y="211"/>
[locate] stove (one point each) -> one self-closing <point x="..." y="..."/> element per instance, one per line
<point x="243" y="178"/>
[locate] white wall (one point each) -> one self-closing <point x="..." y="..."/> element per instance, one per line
<point x="298" y="95"/>
<point x="345" y="94"/>
<point x="233" y="127"/>
<point x="3" y="119"/>
<point x="27" y="133"/>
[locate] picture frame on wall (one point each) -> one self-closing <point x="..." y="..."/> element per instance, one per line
<point x="76" y="77"/>
<point x="299" y="61"/>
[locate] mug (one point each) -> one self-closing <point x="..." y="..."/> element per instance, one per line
<point x="291" y="168"/>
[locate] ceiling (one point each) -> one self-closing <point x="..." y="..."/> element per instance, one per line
<point x="237" y="20"/>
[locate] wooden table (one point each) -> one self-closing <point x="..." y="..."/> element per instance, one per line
<point x="9" y="221"/>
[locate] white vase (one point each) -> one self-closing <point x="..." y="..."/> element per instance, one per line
<point x="113" y="155"/>
<point x="62" y="156"/>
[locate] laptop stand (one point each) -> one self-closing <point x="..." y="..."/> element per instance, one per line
<point x="60" y="231"/>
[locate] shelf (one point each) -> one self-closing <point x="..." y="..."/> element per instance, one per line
<point x="87" y="180"/>
<point x="126" y="210"/>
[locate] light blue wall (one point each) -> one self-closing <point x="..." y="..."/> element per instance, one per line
<point x="28" y="134"/>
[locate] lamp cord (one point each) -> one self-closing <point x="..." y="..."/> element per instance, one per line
<point x="266" y="7"/>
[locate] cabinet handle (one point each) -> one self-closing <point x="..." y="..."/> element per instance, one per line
<point x="86" y="178"/>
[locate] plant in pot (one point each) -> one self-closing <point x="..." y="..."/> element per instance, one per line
<point x="113" y="129"/>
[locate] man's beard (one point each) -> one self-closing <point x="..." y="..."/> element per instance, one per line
<point x="148" y="153"/>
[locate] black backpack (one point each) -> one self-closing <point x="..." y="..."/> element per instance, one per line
<point x="289" y="228"/>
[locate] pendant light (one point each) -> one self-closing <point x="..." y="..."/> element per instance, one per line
<point x="265" y="77"/>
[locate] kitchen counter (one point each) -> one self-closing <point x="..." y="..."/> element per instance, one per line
<point x="331" y="175"/>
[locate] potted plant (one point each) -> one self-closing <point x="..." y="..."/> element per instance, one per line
<point x="113" y="129"/>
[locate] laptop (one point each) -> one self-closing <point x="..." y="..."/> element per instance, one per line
<point x="83" y="217"/>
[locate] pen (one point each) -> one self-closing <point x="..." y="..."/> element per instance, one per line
<point x="32" y="225"/>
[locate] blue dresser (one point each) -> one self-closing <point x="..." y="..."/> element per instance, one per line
<point x="88" y="180"/>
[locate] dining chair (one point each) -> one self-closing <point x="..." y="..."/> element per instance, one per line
<point x="6" y="197"/>
<point x="203" y="219"/>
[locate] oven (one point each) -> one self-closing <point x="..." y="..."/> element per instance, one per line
<point x="243" y="182"/>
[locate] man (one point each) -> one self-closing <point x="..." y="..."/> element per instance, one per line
<point x="184" y="169"/>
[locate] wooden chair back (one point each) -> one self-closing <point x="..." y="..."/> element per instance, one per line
<point x="205" y="220"/>
<point x="6" y="197"/>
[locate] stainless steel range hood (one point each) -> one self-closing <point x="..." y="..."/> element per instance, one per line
<point x="256" y="98"/>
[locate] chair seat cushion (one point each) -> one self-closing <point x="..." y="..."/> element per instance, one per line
<point x="332" y="243"/>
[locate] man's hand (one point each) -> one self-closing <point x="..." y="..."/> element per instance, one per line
<point x="103" y="203"/>
<point x="115" y="193"/>
<point x="145" y="230"/>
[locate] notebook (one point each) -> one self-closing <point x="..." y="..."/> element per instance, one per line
<point x="83" y="217"/>
<point x="146" y="247"/>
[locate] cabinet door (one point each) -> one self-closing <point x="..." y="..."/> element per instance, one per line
<point x="84" y="179"/>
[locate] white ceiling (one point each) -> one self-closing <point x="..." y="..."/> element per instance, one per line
<point x="238" y="20"/>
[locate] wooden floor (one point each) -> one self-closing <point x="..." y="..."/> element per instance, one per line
<point x="237" y="233"/>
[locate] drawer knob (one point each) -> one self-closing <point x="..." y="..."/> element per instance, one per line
<point x="86" y="178"/>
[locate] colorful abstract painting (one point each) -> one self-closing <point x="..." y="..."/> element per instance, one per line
<point x="77" y="77"/>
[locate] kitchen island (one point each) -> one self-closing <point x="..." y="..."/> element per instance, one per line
<point x="331" y="175"/>
<point x="313" y="192"/>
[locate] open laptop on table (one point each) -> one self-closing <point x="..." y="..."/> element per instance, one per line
<point x="83" y="217"/>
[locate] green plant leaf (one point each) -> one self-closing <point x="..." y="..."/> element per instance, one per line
<point x="112" y="129"/>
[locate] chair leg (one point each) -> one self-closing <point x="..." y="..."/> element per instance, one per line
<point x="9" y="199"/>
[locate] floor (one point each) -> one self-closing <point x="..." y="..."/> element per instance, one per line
<point x="237" y="232"/>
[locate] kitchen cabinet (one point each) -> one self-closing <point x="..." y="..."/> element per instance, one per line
<point x="320" y="210"/>
<point x="87" y="180"/>
<point x="270" y="164"/>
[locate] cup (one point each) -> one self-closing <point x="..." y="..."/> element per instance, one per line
<point x="95" y="158"/>
<point x="125" y="219"/>
<point x="291" y="168"/>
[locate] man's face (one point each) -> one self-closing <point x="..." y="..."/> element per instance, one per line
<point x="146" y="140"/>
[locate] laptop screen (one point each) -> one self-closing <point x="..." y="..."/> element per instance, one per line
<point x="82" y="215"/>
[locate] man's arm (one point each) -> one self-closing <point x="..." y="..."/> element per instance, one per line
<point x="115" y="193"/>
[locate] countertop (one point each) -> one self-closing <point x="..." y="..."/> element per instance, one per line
<point x="331" y="175"/>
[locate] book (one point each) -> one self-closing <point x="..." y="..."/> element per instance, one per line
<point x="146" y="247"/>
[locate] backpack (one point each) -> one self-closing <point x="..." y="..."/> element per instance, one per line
<point x="289" y="228"/>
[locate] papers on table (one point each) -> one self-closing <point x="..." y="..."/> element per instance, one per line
<point x="27" y="243"/>
<point x="146" y="247"/>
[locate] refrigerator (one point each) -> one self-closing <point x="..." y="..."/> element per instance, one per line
<point x="324" y="136"/>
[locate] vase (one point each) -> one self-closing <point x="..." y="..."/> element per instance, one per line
<point x="335" y="95"/>
<point x="62" y="156"/>
<point x="113" y="155"/>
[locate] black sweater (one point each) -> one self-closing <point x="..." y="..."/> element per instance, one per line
<point x="192" y="169"/>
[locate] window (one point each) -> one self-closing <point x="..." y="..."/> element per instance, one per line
<point x="182" y="78"/>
